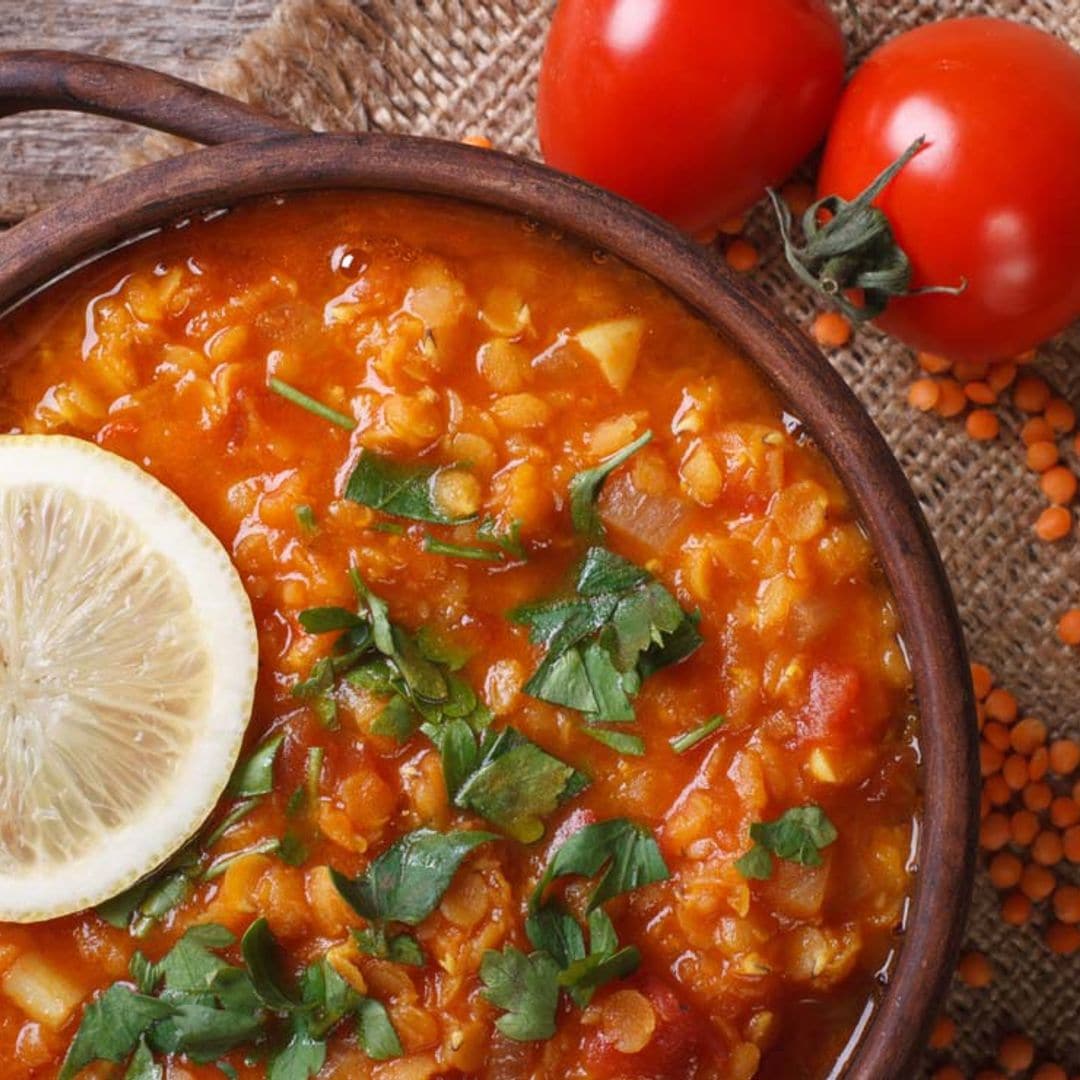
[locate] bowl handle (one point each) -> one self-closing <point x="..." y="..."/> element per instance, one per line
<point x="43" y="79"/>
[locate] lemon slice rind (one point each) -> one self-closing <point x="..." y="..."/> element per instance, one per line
<point x="84" y="478"/>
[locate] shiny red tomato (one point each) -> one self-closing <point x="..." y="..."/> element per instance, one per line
<point x="689" y="107"/>
<point x="993" y="199"/>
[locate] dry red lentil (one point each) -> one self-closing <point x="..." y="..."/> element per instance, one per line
<point x="1042" y="455"/>
<point x="1037" y="429"/>
<point x="1068" y="627"/>
<point x="975" y="970"/>
<point x="923" y="394"/>
<point x="1054" y="523"/>
<point x="831" y="330"/>
<point x="1060" y="415"/>
<point x="1016" y="1052"/>
<point x="1031" y="394"/>
<point x="1062" y="938"/>
<point x="742" y="256"/>
<point x="983" y="425"/>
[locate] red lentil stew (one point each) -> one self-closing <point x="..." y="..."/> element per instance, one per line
<point x="583" y="743"/>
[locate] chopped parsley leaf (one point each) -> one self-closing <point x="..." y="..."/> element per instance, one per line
<point x="620" y="626"/>
<point x="689" y="739"/>
<point x="799" y="835"/>
<point x="585" y="488"/>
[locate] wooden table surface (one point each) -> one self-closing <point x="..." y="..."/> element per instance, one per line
<point x="47" y="156"/>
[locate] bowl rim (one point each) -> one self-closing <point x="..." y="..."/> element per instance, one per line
<point x="128" y="207"/>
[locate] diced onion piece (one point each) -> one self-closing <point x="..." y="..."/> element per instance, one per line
<point x="504" y="310"/>
<point x="651" y="520"/>
<point x="614" y="345"/>
<point x="820" y="766"/>
<point x="42" y="991"/>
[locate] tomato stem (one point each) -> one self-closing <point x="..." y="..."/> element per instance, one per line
<point x="850" y="245"/>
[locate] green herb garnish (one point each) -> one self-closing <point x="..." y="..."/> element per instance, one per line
<point x="398" y="488"/>
<point x="305" y="518"/>
<point x="689" y="739"/>
<point x="510" y="542"/>
<point x="619" y="627"/>
<point x="505" y="778"/>
<point x="585" y="488"/>
<point x="397" y="948"/>
<point x="623" y="855"/>
<point x="434" y="546"/>
<point x="408" y="880"/>
<point x="622" y="742"/>
<point x="254" y="775"/>
<point x="527" y="987"/>
<point x="196" y="1003"/>
<point x="798" y="835"/>
<point x="376" y="655"/>
<point x="298" y="397"/>
<point x="626" y="857"/>
<point x="146" y="902"/>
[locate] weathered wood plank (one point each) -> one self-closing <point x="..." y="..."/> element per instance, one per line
<point x="47" y="156"/>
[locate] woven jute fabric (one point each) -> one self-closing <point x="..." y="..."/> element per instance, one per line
<point x="451" y="67"/>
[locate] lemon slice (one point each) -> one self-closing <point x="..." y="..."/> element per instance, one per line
<point x="128" y="657"/>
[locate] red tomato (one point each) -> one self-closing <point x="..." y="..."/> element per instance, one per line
<point x="831" y="714"/>
<point x="994" y="197"/>
<point x="689" y="107"/>
<point x="680" y="1043"/>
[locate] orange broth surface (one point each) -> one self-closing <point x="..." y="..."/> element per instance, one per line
<point x="450" y="334"/>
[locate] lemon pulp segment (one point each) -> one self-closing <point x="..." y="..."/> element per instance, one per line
<point x="128" y="657"/>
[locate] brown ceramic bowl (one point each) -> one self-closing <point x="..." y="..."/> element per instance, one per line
<point x="260" y="155"/>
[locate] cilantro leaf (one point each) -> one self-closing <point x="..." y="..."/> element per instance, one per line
<point x="398" y="949"/>
<point x="398" y="720"/>
<point x="204" y="1032"/>
<point x="621" y="626"/>
<point x="262" y="957"/>
<point x="798" y="835"/>
<point x="458" y="748"/>
<point x="515" y="785"/>
<point x="255" y="774"/>
<point x="327" y="997"/>
<point x="397" y="488"/>
<point x="323" y="620"/>
<point x="434" y="546"/>
<point x="556" y="932"/>
<point x="301" y="1058"/>
<point x="526" y="987"/>
<point x="509" y="541"/>
<point x="620" y="741"/>
<point x="605" y="961"/>
<point x="558" y="938"/>
<point x="440" y="648"/>
<point x="305" y="518"/>
<point x="194" y="1002"/>
<point x="625" y="856"/>
<point x="305" y="401"/>
<point x="602" y="571"/>
<point x="377" y="1035"/>
<point x="756" y="864"/>
<point x="142" y="1065"/>
<point x="408" y="880"/>
<point x="111" y="1027"/>
<point x="585" y="488"/>
<point x="689" y="739"/>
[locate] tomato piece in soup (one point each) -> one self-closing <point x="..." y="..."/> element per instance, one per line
<point x="643" y="1030"/>
<point x="832" y="714"/>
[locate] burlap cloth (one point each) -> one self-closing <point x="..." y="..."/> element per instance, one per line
<point x="453" y="67"/>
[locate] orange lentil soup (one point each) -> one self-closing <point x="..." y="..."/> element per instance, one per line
<point x="692" y="642"/>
